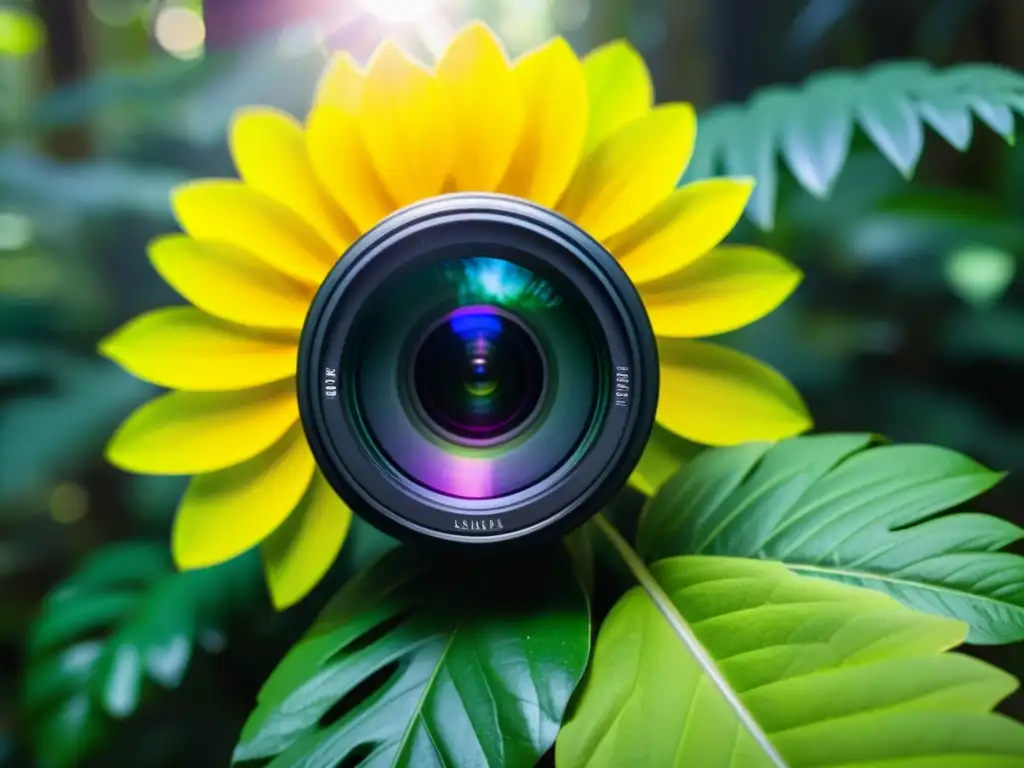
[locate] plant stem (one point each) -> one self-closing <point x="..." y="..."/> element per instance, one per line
<point x="678" y="624"/>
<point x="627" y="553"/>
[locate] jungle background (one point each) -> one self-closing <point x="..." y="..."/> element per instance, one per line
<point x="910" y="321"/>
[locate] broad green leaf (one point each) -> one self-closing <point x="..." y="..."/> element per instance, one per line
<point x="835" y="507"/>
<point x="419" y="662"/>
<point x="124" y="617"/>
<point x="363" y="546"/>
<point x="730" y="663"/>
<point x="666" y="453"/>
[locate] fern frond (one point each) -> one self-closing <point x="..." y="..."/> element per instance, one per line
<point x="811" y="126"/>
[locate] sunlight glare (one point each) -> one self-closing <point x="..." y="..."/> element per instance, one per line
<point x="398" y="11"/>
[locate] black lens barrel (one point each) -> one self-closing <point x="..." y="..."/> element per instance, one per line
<point x="437" y="231"/>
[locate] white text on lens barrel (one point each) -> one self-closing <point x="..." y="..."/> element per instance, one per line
<point x="621" y="392"/>
<point x="330" y="382"/>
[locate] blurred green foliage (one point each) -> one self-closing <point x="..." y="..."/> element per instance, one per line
<point x="21" y="33"/>
<point x="910" y="321"/>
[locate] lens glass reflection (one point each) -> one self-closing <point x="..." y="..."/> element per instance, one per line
<point x="476" y="377"/>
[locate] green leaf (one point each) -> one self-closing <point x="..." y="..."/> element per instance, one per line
<point x="836" y="507"/>
<point x="812" y="124"/>
<point x="50" y="434"/>
<point x="894" y="127"/>
<point x="429" y="663"/>
<point x="730" y="663"/>
<point x="949" y="114"/>
<point x="364" y="545"/>
<point x="91" y="187"/>
<point x="21" y="362"/>
<point x="995" y="115"/>
<point x="665" y="454"/>
<point x="818" y="132"/>
<point x="754" y="155"/>
<point x="715" y="127"/>
<point x="124" y="617"/>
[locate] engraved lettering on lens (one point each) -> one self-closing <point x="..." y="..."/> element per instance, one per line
<point x="465" y="369"/>
<point x="621" y="389"/>
<point x="482" y="525"/>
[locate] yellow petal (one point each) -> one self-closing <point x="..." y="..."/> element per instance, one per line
<point x="663" y="457"/>
<point x="336" y="149"/>
<point x="484" y="107"/>
<point x="183" y="348"/>
<point x="554" y="94"/>
<point x="619" y="88"/>
<point x="686" y="225"/>
<point x="717" y="396"/>
<point x="225" y="513"/>
<point x="298" y="554"/>
<point x="341" y="84"/>
<point x="343" y="166"/>
<point x="728" y="288"/>
<point x="404" y="125"/>
<point x="186" y="433"/>
<point x="230" y="212"/>
<point x="230" y="283"/>
<point x="269" y="149"/>
<point x="631" y="172"/>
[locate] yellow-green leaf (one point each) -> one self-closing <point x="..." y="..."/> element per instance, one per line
<point x="732" y="663"/>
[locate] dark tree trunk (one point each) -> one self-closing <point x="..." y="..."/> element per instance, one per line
<point x="66" y="63"/>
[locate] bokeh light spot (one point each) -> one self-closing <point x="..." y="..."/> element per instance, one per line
<point x="180" y="32"/>
<point x="15" y="231"/>
<point x="69" y="503"/>
<point x="980" y="274"/>
<point x="21" y="33"/>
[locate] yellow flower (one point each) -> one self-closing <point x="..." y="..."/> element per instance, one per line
<point x="579" y="136"/>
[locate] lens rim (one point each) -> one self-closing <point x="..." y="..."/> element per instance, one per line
<point x="433" y="230"/>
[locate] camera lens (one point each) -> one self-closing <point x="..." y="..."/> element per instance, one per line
<point x="476" y="369"/>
